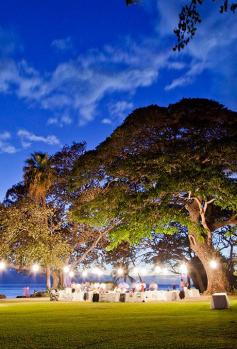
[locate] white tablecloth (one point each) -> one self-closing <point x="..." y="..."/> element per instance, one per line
<point x="109" y="297"/>
<point x="136" y="297"/>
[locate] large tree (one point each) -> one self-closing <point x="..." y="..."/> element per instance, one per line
<point x="46" y="188"/>
<point x="30" y="234"/>
<point x="166" y="165"/>
<point x="38" y="178"/>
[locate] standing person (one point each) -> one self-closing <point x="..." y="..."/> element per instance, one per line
<point x="188" y="282"/>
<point x="182" y="293"/>
<point x="182" y="284"/>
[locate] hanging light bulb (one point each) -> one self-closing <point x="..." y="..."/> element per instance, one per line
<point x="2" y="266"/>
<point x="35" y="268"/>
<point x="120" y="271"/>
<point x="84" y="273"/>
<point x="66" y="269"/>
<point x="99" y="272"/>
<point x="71" y="274"/>
<point x="183" y="269"/>
<point x="213" y="264"/>
<point x="157" y="269"/>
<point x="165" y="271"/>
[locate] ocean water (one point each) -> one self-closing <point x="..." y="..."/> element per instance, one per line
<point x="12" y="282"/>
<point x="11" y="290"/>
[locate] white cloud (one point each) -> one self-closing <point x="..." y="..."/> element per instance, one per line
<point x="78" y="86"/>
<point x="27" y="138"/>
<point x="5" y="146"/>
<point x="64" y="44"/>
<point x="60" y="120"/>
<point x="211" y="47"/>
<point x="120" y="109"/>
<point x="106" y="121"/>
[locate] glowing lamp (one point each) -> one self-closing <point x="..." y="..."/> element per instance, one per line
<point x="157" y="269"/>
<point x="120" y="271"/>
<point x="84" y="273"/>
<point x="2" y="266"/>
<point x="71" y="274"/>
<point x="35" y="268"/>
<point x="183" y="269"/>
<point x="66" y="269"/>
<point x="99" y="272"/>
<point x="165" y="271"/>
<point x="213" y="264"/>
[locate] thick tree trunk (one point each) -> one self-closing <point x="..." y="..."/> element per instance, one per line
<point x="55" y="275"/>
<point x="61" y="279"/>
<point x="198" y="274"/>
<point x="217" y="280"/>
<point x="58" y="279"/>
<point x="48" y="277"/>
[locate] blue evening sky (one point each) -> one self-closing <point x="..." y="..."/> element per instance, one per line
<point x="72" y="70"/>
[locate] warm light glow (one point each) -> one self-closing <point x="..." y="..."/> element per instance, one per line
<point x="120" y="271"/>
<point x="158" y="269"/>
<point x="213" y="264"/>
<point x="84" y="273"/>
<point x="97" y="271"/>
<point x="2" y="266"/>
<point x="103" y="286"/>
<point x="35" y="268"/>
<point x="165" y="271"/>
<point x="183" y="269"/>
<point x="66" y="269"/>
<point x="71" y="274"/>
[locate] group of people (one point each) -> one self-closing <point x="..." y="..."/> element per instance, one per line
<point x="100" y="288"/>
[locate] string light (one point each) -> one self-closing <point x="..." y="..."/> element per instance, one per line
<point x="84" y="273"/>
<point x="2" y="266"/>
<point x="35" y="268"/>
<point x="71" y="274"/>
<point x="120" y="271"/>
<point x="158" y="269"/>
<point x="66" y="269"/>
<point x="213" y="264"/>
<point x="183" y="269"/>
<point x="97" y="271"/>
<point x="164" y="271"/>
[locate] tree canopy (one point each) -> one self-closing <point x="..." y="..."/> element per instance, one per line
<point x="190" y="17"/>
<point x="164" y="166"/>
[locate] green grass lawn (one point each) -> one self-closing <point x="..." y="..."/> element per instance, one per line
<point x="102" y="325"/>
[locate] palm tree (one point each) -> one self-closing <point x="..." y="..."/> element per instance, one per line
<point x="38" y="178"/>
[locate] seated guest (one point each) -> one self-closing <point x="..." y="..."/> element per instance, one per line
<point x="153" y="286"/>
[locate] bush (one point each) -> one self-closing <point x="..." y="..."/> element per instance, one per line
<point x="2" y="296"/>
